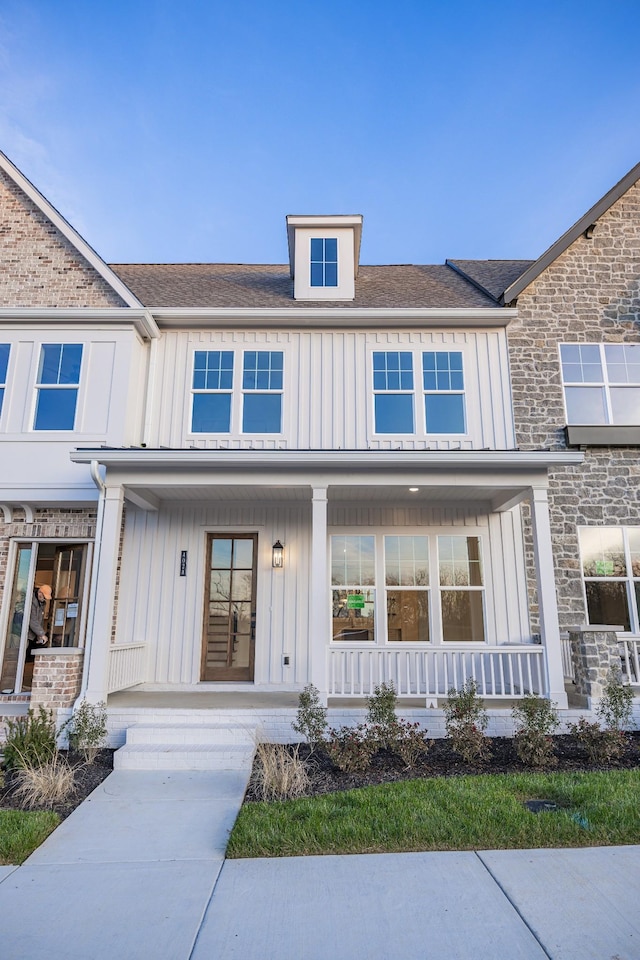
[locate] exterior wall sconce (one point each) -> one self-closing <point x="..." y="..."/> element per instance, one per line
<point x="277" y="555"/>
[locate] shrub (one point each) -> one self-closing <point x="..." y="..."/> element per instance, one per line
<point x="536" y="720"/>
<point x="351" y="748"/>
<point x="87" y="729"/>
<point x="602" y="746"/>
<point x="311" y="718"/>
<point x="30" y="740"/>
<point x="409" y="741"/>
<point x="381" y="713"/>
<point x="615" y="706"/>
<point x="280" y="773"/>
<point x="465" y="722"/>
<point x="48" y="783"/>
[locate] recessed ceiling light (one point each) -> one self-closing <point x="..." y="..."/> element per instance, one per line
<point x="413" y="489"/>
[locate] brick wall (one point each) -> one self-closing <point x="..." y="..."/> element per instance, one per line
<point x="57" y="675"/>
<point x="38" y="265"/>
<point x="591" y="294"/>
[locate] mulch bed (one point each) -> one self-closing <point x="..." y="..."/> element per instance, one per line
<point x="88" y="776"/>
<point x="441" y="761"/>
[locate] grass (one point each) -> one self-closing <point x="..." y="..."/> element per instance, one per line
<point x="21" y="832"/>
<point x="447" y="813"/>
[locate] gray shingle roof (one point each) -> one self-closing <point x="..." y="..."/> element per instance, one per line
<point x="493" y="276"/>
<point x="220" y="285"/>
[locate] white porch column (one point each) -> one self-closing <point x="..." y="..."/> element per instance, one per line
<point x="102" y="600"/>
<point x="547" y="602"/>
<point x="319" y="625"/>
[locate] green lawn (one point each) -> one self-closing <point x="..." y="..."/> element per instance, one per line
<point x="447" y="813"/>
<point x="21" y="832"/>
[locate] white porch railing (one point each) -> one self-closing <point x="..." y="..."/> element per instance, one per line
<point x="567" y="657"/>
<point x="501" y="672"/>
<point x="127" y="664"/>
<point x="630" y="658"/>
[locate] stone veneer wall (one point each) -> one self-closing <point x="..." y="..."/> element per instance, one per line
<point x="38" y="265"/>
<point x="590" y="294"/>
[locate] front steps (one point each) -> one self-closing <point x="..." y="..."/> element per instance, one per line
<point x="212" y="746"/>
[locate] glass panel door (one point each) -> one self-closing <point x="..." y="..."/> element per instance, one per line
<point x="19" y="612"/>
<point x="230" y="602"/>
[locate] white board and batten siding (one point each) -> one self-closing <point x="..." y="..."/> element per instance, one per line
<point x="328" y="388"/>
<point x="165" y="611"/>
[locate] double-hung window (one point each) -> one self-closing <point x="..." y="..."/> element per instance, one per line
<point x="611" y="574"/>
<point x="443" y="386"/>
<point x="393" y="391"/>
<point x="461" y="588"/>
<point x="601" y="383"/>
<point x="262" y="385"/>
<point x="212" y="389"/>
<point x="4" y="365"/>
<point x="324" y="262"/>
<point x="57" y="386"/>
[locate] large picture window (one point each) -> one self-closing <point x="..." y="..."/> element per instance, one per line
<point x="4" y="366"/>
<point x="611" y="572"/>
<point x="461" y="588"/>
<point x="406" y="577"/>
<point x="57" y="386"/>
<point x="601" y="383"/>
<point x="353" y="575"/>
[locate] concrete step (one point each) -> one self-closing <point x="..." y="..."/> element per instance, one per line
<point x="183" y="756"/>
<point x="215" y="734"/>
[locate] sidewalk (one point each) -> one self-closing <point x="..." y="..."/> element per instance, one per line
<point x="136" y="873"/>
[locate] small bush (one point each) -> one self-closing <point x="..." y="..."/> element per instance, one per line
<point x="351" y="748"/>
<point x="381" y="713"/>
<point x="311" y="718"/>
<point x="280" y="774"/>
<point x="49" y="783"/>
<point x="30" y="740"/>
<point x="87" y="729"/>
<point x="409" y="741"/>
<point x="615" y="706"/>
<point x="602" y="746"/>
<point x="465" y="722"/>
<point x="536" y="720"/>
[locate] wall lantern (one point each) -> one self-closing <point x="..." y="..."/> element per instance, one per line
<point x="277" y="555"/>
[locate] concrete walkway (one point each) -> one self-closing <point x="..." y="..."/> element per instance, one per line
<point x="137" y="873"/>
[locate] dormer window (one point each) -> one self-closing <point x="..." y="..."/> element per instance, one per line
<point x="323" y="256"/>
<point x="324" y="262"/>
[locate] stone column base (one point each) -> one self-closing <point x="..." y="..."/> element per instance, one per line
<point x="595" y="654"/>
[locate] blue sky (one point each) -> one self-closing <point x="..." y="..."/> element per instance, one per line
<point x="186" y="131"/>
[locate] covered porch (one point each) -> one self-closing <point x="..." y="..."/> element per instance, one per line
<point x="304" y="499"/>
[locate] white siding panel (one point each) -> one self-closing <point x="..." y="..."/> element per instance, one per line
<point x="328" y="402"/>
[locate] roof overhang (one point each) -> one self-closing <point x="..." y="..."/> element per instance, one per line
<point x="328" y="317"/>
<point x="500" y="479"/>
<point x="141" y="319"/>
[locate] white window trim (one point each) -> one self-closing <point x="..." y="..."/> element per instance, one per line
<point x="604" y="384"/>
<point x="243" y="392"/>
<point x="323" y="286"/>
<point x="79" y="387"/>
<point x="194" y="390"/>
<point x="435" y="608"/>
<point x="3" y="383"/>
<point x="419" y="420"/>
<point x="629" y="580"/>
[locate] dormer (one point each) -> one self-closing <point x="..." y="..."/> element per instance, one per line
<point x="323" y="256"/>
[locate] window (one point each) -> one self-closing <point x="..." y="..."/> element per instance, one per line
<point x="212" y="387"/>
<point x="4" y="364"/>
<point x="57" y="386"/>
<point x="406" y="574"/>
<point x="353" y="578"/>
<point x="324" y="262"/>
<point x="461" y="588"/>
<point x="601" y="382"/>
<point x="262" y="380"/>
<point x="611" y="572"/>
<point x="393" y="392"/>
<point x="443" y="385"/>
